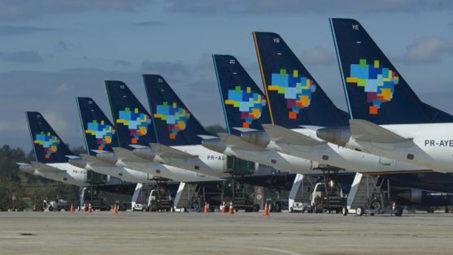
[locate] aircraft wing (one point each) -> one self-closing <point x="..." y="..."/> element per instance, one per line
<point x="363" y="130"/>
<point x="280" y="134"/>
<point x="235" y="142"/>
<point x="165" y="151"/>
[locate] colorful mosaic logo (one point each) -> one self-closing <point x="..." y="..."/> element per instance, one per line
<point x="296" y="89"/>
<point x="136" y="122"/>
<point x="175" y="117"/>
<point x="378" y="82"/>
<point x="101" y="131"/>
<point x="48" y="142"/>
<point x="250" y="104"/>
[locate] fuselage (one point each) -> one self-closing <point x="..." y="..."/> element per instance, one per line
<point x="164" y="171"/>
<point x="63" y="172"/>
<point x="431" y="145"/>
<point x="206" y="161"/>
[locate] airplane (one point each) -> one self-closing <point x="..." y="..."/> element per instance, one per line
<point x="52" y="155"/>
<point x="245" y="108"/>
<point x="179" y="132"/>
<point x="100" y="137"/>
<point x="387" y="117"/>
<point x="136" y="131"/>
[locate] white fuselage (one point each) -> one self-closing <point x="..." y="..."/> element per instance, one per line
<point x="123" y="173"/>
<point x="431" y="145"/>
<point x="352" y="160"/>
<point x="206" y="162"/>
<point x="67" y="173"/>
<point x="275" y="159"/>
<point x="165" y="171"/>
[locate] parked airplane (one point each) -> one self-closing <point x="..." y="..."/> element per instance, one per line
<point x="245" y="108"/>
<point x="387" y="118"/>
<point x="178" y="131"/>
<point x="100" y="138"/>
<point x="136" y="132"/>
<point x="52" y="155"/>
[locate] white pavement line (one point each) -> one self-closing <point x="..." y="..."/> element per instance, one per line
<point x="279" y="250"/>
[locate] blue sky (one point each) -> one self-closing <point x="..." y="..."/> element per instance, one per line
<point x="52" y="51"/>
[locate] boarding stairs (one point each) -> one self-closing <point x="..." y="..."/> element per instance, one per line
<point x="184" y="196"/>
<point x="141" y="194"/>
<point x="365" y="192"/>
<point x="301" y="190"/>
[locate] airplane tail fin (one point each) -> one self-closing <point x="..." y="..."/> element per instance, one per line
<point x="175" y="124"/>
<point x="375" y="90"/>
<point x="132" y="120"/>
<point x="98" y="132"/>
<point x="294" y="97"/>
<point x="244" y="104"/>
<point x="48" y="146"/>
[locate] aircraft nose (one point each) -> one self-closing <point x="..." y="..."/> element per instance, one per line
<point x="335" y="135"/>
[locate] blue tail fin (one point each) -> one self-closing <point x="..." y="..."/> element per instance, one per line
<point x="48" y="146"/>
<point x="175" y="125"/>
<point x="132" y="120"/>
<point x="244" y="105"/>
<point x="99" y="133"/>
<point x="295" y="98"/>
<point x="374" y="89"/>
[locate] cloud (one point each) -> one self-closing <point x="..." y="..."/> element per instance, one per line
<point x="31" y="57"/>
<point x="63" y="88"/>
<point x="148" y="23"/>
<point x="62" y="46"/>
<point x="318" y="56"/>
<point x="164" y="68"/>
<point x="428" y="50"/>
<point x="20" y="30"/>
<point x="121" y="63"/>
<point x="13" y="10"/>
<point x="297" y="6"/>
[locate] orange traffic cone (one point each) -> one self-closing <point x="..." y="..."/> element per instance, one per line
<point x="115" y="209"/>
<point x="266" y="210"/>
<point x="231" y="209"/>
<point x="206" y="207"/>
<point x="84" y="207"/>
<point x="90" y="209"/>
<point x="71" y="208"/>
<point x="222" y="209"/>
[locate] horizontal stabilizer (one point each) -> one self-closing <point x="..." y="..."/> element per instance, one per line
<point x="93" y="160"/>
<point x="245" y="130"/>
<point x="236" y="142"/>
<point x="169" y="152"/>
<point x="127" y="155"/>
<point x="207" y="137"/>
<point x="280" y="134"/>
<point x="363" y="130"/>
<point x="44" y="168"/>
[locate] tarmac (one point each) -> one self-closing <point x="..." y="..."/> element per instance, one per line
<point x="25" y="233"/>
